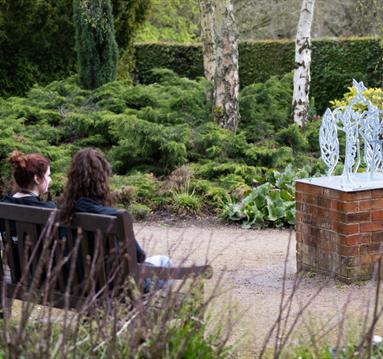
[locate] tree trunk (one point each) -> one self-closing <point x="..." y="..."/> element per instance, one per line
<point x="226" y="79"/>
<point x="207" y="9"/>
<point x="302" y="63"/>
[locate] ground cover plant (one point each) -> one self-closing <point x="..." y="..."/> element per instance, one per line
<point x="167" y="153"/>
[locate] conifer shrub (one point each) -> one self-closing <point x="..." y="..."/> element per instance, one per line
<point x="266" y="107"/>
<point x="164" y="130"/>
<point x="213" y="142"/>
<point x="292" y="137"/>
<point x="311" y="133"/>
<point x="96" y="45"/>
<point x="141" y="142"/>
<point x="269" y="155"/>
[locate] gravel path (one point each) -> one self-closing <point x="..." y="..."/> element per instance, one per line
<point x="252" y="262"/>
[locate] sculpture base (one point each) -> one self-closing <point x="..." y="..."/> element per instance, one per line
<point x="339" y="231"/>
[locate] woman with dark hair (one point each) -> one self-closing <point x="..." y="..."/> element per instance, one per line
<point x="32" y="176"/>
<point x="87" y="190"/>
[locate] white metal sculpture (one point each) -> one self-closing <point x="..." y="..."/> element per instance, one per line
<point x="353" y="122"/>
<point x="328" y="141"/>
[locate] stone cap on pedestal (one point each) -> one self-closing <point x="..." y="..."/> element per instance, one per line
<point x="359" y="182"/>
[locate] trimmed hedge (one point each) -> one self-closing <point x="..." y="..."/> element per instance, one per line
<point x="335" y="63"/>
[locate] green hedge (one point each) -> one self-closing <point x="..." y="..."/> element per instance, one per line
<point x="335" y="63"/>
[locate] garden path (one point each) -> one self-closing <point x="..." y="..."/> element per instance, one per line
<point x="252" y="262"/>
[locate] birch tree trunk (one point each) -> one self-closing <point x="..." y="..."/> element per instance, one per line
<point x="226" y="78"/>
<point x="207" y="10"/>
<point x="302" y="77"/>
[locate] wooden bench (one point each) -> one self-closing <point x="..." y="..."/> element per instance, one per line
<point x="49" y="264"/>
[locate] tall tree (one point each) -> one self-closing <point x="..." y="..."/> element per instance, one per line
<point x="95" y="42"/>
<point x="302" y="76"/>
<point x="207" y="15"/>
<point x="226" y="78"/>
<point x="129" y="17"/>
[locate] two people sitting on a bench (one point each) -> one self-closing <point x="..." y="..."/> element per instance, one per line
<point x="87" y="190"/>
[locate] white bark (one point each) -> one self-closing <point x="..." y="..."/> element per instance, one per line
<point x="302" y="63"/>
<point x="226" y="78"/>
<point x="207" y="9"/>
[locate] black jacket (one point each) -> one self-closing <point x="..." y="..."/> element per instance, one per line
<point x="84" y="204"/>
<point x="28" y="201"/>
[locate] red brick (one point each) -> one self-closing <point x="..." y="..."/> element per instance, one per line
<point x="298" y="227"/>
<point x="327" y="245"/>
<point x="357" y="217"/>
<point x="298" y="237"/>
<point x="371" y="204"/>
<point x="344" y="228"/>
<point x="348" y="206"/>
<point x="377" y="237"/>
<point x="377" y="215"/>
<point x="377" y="193"/>
<point x="298" y="217"/>
<point x="371" y="248"/>
<point x="366" y="259"/>
<point x="371" y="227"/>
<point x="307" y="188"/>
<point x="298" y="196"/>
<point x="330" y="193"/>
<point x="356" y="239"/>
<point x="354" y="196"/>
<point x="348" y="251"/>
<point x="324" y="202"/>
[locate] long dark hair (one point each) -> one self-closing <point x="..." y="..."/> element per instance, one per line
<point x="88" y="176"/>
<point x="26" y="166"/>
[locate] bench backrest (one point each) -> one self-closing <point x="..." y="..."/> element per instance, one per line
<point x="41" y="253"/>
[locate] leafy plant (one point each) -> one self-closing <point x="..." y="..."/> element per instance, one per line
<point x="272" y="203"/>
<point x="375" y="95"/>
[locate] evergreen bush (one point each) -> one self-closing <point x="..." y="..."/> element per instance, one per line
<point x="162" y="130"/>
<point x="95" y="42"/>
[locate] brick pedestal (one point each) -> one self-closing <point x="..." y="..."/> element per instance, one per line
<point x="338" y="233"/>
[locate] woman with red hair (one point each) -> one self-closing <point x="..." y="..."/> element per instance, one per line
<point x="32" y="176"/>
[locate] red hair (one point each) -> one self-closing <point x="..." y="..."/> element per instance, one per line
<point x="26" y="166"/>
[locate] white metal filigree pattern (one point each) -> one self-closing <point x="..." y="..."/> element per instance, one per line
<point x="353" y="123"/>
<point x="328" y="141"/>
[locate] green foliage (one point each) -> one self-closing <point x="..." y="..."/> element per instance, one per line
<point x="269" y="204"/>
<point x="184" y="203"/>
<point x="268" y="155"/>
<point x="375" y="95"/>
<point x="173" y="20"/>
<point x="185" y="60"/>
<point x="37" y="38"/>
<point x="129" y="17"/>
<point x="213" y="170"/>
<point x="335" y="62"/>
<point x="139" y="211"/>
<point x="213" y="142"/>
<point x="95" y="42"/>
<point x="292" y="136"/>
<point x="136" y="187"/>
<point x="165" y="150"/>
<point x="148" y="144"/>
<point x="266" y="107"/>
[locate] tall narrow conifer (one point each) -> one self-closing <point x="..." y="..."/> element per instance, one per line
<point x="96" y="45"/>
